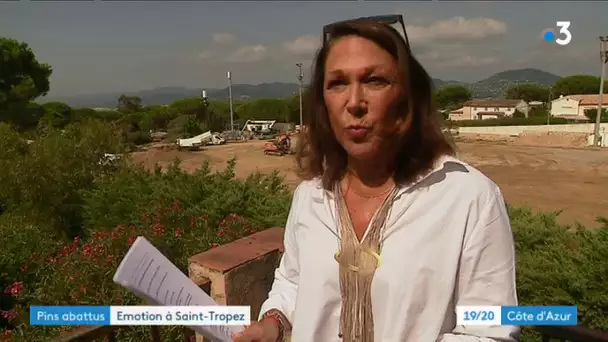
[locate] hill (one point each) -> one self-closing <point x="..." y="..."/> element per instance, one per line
<point x="496" y="85"/>
<point x="165" y="95"/>
<point x="491" y="87"/>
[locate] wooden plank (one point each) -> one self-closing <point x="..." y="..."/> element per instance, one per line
<point x="155" y="331"/>
<point x="573" y="333"/>
<point x="88" y="333"/>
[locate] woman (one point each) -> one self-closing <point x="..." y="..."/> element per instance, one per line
<point x="390" y="232"/>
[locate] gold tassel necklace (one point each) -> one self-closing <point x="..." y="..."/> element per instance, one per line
<point x="358" y="263"/>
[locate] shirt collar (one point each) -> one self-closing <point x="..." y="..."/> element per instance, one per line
<point x="320" y="194"/>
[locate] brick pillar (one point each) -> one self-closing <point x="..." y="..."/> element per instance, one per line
<point x="241" y="272"/>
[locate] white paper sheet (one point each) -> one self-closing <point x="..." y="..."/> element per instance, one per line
<point x="148" y="274"/>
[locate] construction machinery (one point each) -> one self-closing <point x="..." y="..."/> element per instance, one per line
<point x="279" y="147"/>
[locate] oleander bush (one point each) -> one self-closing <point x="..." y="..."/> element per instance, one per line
<point x="107" y="206"/>
<point x="66" y="221"/>
<point x="81" y="272"/>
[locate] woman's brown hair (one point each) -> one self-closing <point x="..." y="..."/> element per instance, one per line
<point x="417" y="126"/>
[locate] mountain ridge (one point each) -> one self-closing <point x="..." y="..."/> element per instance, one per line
<point x="493" y="86"/>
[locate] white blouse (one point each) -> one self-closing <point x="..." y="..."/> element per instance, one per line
<point x="448" y="242"/>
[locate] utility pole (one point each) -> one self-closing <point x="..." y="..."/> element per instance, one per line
<point x="549" y="107"/>
<point x="204" y="96"/>
<point x="231" y="108"/>
<point x="202" y="113"/>
<point x="604" y="59"/>
<point x="300" y="78"/>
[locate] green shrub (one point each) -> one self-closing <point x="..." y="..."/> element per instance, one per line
<point x="559" y="265"/>
<point x="56" y="114"/>
<point x="185" y="126"/>
<point x="180" y="213"/>
<point x="137" y="138"/>
<point x="45" y="178"/>
<point x="158" y="117"/>
<point x="134" y="193"/>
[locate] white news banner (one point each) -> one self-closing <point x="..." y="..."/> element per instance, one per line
<point x="147" y="273"/>
<point x="180" y="315"/>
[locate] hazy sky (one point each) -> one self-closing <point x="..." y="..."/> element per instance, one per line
<point x="103" y="46"/>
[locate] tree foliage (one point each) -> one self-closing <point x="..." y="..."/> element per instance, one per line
<point x="452" y="96"/>
<point x="528" y="92"/>
<point x="577" y="84"/>
<point x="129" y="104"/>
<point x="57" y="114"/>
<point x="592" y="114"/>
<point x="22" y="79"/>
<point x="264" y="109"/>
<point x="187" y="106"/>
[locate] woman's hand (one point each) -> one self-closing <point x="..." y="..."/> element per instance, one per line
<point x="266" y="330"/>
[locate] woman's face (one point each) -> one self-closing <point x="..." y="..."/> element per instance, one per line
<point x="361" y="90"/>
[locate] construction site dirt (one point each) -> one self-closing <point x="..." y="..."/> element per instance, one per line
<point x="571" y="180"/>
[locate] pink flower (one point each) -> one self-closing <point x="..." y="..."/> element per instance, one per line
<point x="158" y="229"/>
<point x="6" y="334"/>
<point x="15" y="288"/>
<point x="11" y="315"/>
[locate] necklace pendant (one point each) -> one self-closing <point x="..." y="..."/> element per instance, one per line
<point x="364" y="262"/>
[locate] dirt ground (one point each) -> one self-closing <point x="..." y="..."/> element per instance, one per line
<point x="574" y="181"/>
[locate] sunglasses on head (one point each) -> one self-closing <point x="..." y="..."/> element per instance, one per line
<point x="394" y="21"/>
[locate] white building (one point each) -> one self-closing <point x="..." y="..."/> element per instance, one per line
<point x="573" y="106"/>
<point x="489" y="109"/>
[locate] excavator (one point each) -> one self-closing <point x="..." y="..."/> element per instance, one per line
<point x="279" y="147"/>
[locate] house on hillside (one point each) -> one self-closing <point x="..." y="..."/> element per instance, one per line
<point x="573" y="107"/>
<point x="489" y="109"/>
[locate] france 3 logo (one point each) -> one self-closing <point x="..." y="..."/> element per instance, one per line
<point x="564" y="35"/>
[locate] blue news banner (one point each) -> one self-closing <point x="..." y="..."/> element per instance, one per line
<point x="241" y="315"/>
<point x="140" y="315"/>
<point x="516" y="315"/>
